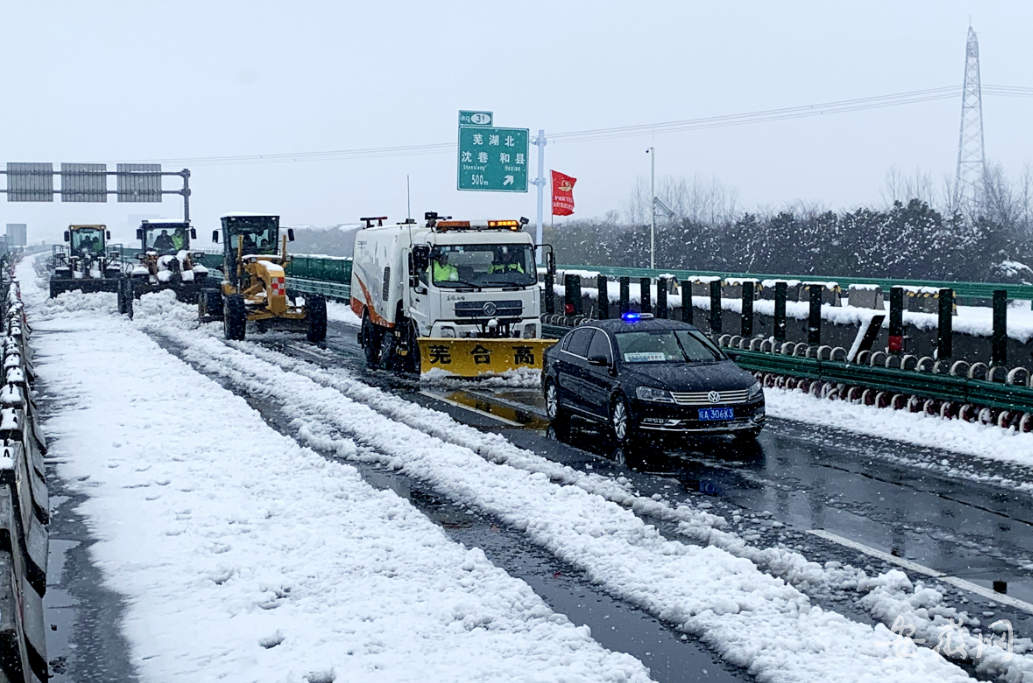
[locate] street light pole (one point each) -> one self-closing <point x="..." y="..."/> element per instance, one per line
<point x="652" y="207"/>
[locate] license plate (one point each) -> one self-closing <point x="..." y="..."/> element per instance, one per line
<point x="711" y="414"/>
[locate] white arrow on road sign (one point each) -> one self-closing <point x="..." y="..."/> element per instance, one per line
<point x="508" y="180"/>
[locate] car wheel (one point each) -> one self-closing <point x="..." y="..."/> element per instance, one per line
<point x="747" y="434"/>
<point x="553" y="408"/>
<point x="620" y="421"/>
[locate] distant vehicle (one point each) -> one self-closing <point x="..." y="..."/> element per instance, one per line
<point x="254" y="254"/>
<point x="642" y="376"/>
<point x="164" y="261"/>
<point x="87" y="266"/>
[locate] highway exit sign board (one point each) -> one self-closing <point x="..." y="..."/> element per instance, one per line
<point x="475" y="118"/>
<point x="492" y="159"/>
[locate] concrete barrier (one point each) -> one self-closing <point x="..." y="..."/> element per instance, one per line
<point x="866" y="296"/>
<point x="24" y="504"/>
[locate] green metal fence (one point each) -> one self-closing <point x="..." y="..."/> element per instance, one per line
<point x="975" y="290"/>
<point x="318" y="268"/>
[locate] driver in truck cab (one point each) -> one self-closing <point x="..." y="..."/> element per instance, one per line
<point x="507" y="262"/>
<point x="443" y="270"/>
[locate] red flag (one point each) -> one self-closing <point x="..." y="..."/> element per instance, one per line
<point x="562" y="194"/>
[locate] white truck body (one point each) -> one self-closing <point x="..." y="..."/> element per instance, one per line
<point x="383" y="276"/>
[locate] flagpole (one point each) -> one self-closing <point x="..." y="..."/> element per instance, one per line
<point x="540" y="183"/>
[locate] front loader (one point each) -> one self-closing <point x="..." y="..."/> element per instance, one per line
<point x="164" y="262"/>
<point x="254" y="286"/>
<point x="87" y="266"/>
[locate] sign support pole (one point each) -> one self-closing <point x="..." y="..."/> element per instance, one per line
<point x="539" y="182"/>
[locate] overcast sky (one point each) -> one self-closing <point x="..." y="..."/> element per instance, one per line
<point x="149" y="81"/>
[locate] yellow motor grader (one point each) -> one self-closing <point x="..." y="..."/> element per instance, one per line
<point x="254" y="282"/>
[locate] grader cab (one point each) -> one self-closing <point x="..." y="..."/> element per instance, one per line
<point x="254" y="285"/>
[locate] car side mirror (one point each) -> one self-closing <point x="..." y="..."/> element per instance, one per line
<point x="215" y="236"/>
<point x="139" y="233"/>
<point x="290" y="234"/>
<point x="68" y="236"/>
<point x="732" y="355"/>
<point x="599" y="359"/>
<point x="193" y="233"/>
<point x="108" y="234"/>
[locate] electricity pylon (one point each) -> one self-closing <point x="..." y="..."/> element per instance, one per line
<point x="970" y="182"/>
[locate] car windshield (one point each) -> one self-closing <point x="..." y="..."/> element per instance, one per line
<point x="483" y="265"/>
<point x="167" y="239"/>
<point x="88" y="240"/>
<point x="665" y="346"/>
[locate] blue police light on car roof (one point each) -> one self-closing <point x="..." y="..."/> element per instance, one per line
<point x="633" y="317"/>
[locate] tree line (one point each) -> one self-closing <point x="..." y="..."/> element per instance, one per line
<point x="912" y="237"/>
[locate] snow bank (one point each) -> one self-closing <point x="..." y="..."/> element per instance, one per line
<point x="245" y="557"/>
<point x="986" y="441"/>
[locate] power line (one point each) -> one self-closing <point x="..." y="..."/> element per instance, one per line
<point x="763" y="116"/>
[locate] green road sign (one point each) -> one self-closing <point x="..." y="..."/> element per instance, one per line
<point x="492" y="159"/>
<point x="475" y="118"/>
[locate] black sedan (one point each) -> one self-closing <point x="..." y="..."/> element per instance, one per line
<point x="643" y="376"/>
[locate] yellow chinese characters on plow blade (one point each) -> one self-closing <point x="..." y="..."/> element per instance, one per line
<point x="472" y="357"/>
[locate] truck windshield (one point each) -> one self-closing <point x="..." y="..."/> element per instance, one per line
<point x="167" y="239"/>
<point x="88" y="241"/>
<point x="483" y="265"/>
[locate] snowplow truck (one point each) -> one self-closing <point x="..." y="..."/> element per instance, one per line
<point x="164" y="262"/>
<point x="86" y="265"/>
<point x="453" y="297"/>
<point x="254" y="285"/>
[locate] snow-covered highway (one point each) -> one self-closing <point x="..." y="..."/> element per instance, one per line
<point x="249" y="505"/>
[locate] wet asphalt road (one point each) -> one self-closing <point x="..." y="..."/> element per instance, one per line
<point x="892" y="497"/>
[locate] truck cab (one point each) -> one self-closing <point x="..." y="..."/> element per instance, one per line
<point x="444" y="279"/>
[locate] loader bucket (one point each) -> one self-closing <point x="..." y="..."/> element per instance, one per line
<point x="473" y="357"/>
<point x="86" y="286"/>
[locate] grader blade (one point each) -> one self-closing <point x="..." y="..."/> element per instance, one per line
<point x="474" y="357"/>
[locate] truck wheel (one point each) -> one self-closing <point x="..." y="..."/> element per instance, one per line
<point x="411" y="363"/>
<point x="371" y="338"/>
<point x="234" y="317"/>
<point x="387" y="350"/>
<point x="122" y="297"/>
<point x="210" y="302"/>
<point x="316" y="308"/>
<point x="129" y="295"/>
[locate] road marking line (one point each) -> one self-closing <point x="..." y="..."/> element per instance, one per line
<point x="920" y="569"/>
<point x="457" y="404"/>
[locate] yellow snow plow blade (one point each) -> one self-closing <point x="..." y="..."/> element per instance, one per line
<point x="472" y="357"/>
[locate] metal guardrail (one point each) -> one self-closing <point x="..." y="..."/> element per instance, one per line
<point x="975" y="290"/>
<point x="331" y="290"/>
<point x="955" y="392"/>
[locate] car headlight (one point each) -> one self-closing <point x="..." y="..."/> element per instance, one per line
<point x="756" y="391"/>
<point x="654" y="394"/>
<point x="448" y="332"/>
